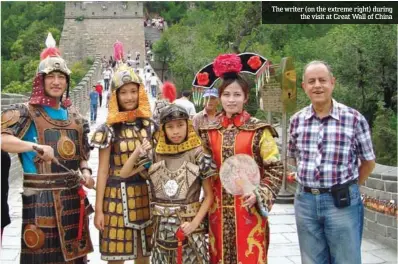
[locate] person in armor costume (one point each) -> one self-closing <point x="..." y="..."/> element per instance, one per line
<point x="122" y="205"/>
<point x="237" y="132"/>
<point x="180" y="169"/>
<point x="55" y="208"/>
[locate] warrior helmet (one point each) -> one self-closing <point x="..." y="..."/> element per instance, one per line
<point x="173" y="112"/>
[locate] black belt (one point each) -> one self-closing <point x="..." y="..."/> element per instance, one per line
<point x="326" y="190"/>
<point x="51" y="181"/>
<point x="170" y="245"/>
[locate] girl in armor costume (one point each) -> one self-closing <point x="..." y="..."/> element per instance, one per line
<point x="122" y="205"/>
<point x="237" y="132"/>
<point x="55" y="208"/>
<point x="180" y="168"/>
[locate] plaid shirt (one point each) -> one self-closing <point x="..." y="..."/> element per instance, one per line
<point x="327" y="150"/>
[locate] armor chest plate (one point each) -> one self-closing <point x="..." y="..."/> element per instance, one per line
<point x="174" y="185"/>
<point x="127" y="138"/>
<point x="65" y="137"/>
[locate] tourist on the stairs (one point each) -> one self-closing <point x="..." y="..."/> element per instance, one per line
<point x="122" y="211"/>
<point x="107" y="74"/>
<point x="331" y="147"/>
<point x="93" y="104"/>
<point x="137" y="58"/>
<point x="99" y="89"/>
<point x="147" y="77"/>
<point x="238" y="224"/>
<point x="180" y="169"/>
<point x="130" y="62"/>
<point x="185" y="102"/>
<point x="50" y="135"/>
<point x="149" y="55"/>
<point x="154" y="84"/>
<point x="147" y="67"/>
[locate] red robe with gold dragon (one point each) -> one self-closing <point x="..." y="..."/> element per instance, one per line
<point x="237" y="235"/>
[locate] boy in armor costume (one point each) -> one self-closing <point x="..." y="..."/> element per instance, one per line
<point x="179" y="170"/>
<point x="55" y="208"/>
<point x="122" y="205"/>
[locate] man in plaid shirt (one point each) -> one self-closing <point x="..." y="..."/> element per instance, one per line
<point x="331" y="147"/>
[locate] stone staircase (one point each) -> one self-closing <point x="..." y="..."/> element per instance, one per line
<point x="152" y="34"/>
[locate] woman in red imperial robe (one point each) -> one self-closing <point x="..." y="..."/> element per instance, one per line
<point x="238" y="225"/>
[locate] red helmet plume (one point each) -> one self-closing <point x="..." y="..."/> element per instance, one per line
<point x="169" y="91"/>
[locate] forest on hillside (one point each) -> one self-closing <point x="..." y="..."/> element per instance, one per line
<point x="363" y="57"/>
<point x="24" y="27"/>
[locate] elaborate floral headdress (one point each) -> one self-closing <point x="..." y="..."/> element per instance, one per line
<point x="51" y="61"/>
<point x="122" y="76"/>
<point x="228" y="66"/>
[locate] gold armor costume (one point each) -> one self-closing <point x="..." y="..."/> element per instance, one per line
<point x="128" y="227"/>
<point x="175" y="180"/>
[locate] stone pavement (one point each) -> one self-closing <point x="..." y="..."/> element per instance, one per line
<point x="284" y="248"/>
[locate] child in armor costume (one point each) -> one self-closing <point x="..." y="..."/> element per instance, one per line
<point x="122" y="205"/>
<point x="180" y="168"/>
<point x="55" y="208"/>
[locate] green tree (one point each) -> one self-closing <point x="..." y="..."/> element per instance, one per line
<point x="384" y="136"/>
<point x="11" y="71"/>
<point x="18" y="87"/>
<point x="24" y="27"/>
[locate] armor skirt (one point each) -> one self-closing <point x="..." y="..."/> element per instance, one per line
<point x="166" y="224"/>
<point x="127" y="225"/>
<point x="50" y="228"/>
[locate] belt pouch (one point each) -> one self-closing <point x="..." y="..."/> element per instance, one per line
<point x="341" y="195"/>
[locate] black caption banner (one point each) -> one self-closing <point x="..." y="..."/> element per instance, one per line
<point x="305" y="12"/>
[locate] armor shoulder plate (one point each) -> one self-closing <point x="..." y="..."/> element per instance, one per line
<point x="255" y="124"/>
<point x="102" y="137"/>
<point x="206" y="164"/>
<point x="210" y="126"/>
<point x="193" y="168"/>
<point x="154" y="167"/>
<point x="152" y="124"/>
<point x="15" y="120"/>
<point x="271" y="129"/>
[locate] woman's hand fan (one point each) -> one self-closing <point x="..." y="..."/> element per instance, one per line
<point x="240" y="174"/>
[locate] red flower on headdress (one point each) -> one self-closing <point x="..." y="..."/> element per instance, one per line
<point x="254" y="62"/>
<point x="203" y="78"/>
<point x="227" y="63"/>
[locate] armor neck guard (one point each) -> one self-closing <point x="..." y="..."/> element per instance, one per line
<point x="193" y="141"/>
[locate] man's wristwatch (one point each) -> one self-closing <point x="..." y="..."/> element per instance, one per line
<point x="86" y="168"/>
